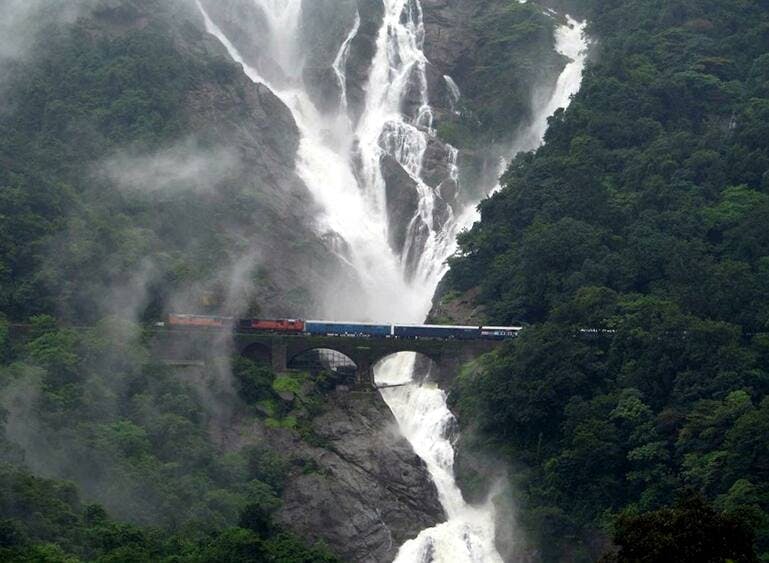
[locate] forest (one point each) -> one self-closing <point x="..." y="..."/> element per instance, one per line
<point x="634" y="246"/>
<point x="140" y="439"/>
<point x="92" y="406"/>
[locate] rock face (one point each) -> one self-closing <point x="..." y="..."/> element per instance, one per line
<point x="449" y="42"/>
<point x="326" y="25"/>
<point x="362" y="51"/>
<point x="449" y="37"/>
<point x="368" y="492"/>
<point x="497" y="73"/>
<point x="457" y="309"/>
<point x="402" y="201"/>
<point x="261" y="206"/>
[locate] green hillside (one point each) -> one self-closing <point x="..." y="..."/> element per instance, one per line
<point x="635" y="243"/>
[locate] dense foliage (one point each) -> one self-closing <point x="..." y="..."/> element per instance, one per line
<point x="691" y="531"/>
<point x="140" y="441"/>
<point x="635" y="243"/>
<point x="43" y="520"/>
<point x="93" y="410"/>
<point x="82" y="98"/>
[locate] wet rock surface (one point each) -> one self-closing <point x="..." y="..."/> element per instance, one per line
<point x="367" y="491"/>
<point x="326" y="25"/>
<point x="362" y="51"/>
<point x="402" y="201"/>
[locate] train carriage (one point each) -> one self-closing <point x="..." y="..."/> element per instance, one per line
<point x="327" y="328"/>
<point x="499" y="332"/>
<point x="437" y="331"/>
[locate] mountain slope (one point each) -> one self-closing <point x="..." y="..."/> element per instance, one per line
<point x="633" y="243"/>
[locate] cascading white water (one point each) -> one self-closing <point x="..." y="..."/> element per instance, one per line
<point x="570" y="41"/>
<point x="426" y="422"/>
<point x="341" y="164"/>
<point x="454" y="93"/>
<point x="340" y="63"/>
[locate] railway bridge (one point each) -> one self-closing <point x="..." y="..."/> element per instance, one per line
<point x="281" y="351"/>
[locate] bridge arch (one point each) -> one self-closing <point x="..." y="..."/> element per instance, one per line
<point x="258" y="352"/>
<point x="330" y="366"/>
<point x="321" y="359"/>
<point x="364" y="354"/>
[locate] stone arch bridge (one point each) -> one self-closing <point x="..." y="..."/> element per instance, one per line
<point x="365" y="352"/>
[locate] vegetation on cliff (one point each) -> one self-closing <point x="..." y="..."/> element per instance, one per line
<point x="635" y="244"/>
<point x="86" y="231"/>
<point x="139" y="165"/>
<point x="140" y="441"/>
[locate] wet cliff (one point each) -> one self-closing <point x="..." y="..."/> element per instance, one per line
<point x="356" y="483"/>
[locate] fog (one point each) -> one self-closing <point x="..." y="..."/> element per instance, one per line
<point x="183" y="167"/>
<point x="21" y="20"/>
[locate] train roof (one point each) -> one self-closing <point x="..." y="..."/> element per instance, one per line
<point x="194" y="316"/>
<point x="456" y="327"/>
<point x="348" y="323"/>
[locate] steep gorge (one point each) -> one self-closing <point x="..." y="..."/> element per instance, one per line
<point x="329" y="179"/>
<point x="390" y="187"/>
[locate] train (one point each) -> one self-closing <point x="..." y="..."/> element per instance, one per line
<point x="333" y="328"/>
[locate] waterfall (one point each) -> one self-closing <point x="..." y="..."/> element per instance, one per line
<point x="426" y="422"/>
<point x="569" y="42"/>
<point x="342" y="165"/>
<point x="454" y="93"/>
<point x="340" y="63"/>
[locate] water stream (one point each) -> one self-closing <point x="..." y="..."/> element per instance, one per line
<point x="340" y="160"/>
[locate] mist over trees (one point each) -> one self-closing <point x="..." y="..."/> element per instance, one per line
<point x="116" y="199"/>
<point x="634" y="245"/>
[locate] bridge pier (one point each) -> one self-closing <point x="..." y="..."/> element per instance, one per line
<point x="279" y="356"/>
<point x="364" y="373"/>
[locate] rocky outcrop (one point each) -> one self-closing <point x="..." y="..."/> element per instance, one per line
<point x="449" y="35"/>
<point x="362" y="51"/>
<point x="402" y="201"/>
<point x="326" y="24"/>
<point x="456" y="308"/>
<point x="449" y="42"/>
<point x="361" y="489"/>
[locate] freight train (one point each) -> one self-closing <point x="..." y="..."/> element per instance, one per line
<point x="330" y="328"/>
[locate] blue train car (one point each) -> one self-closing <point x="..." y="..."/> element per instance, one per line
<point x="499" y="332"/>
<point x="346" y="329"/>
<point x="437" y="331"/>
